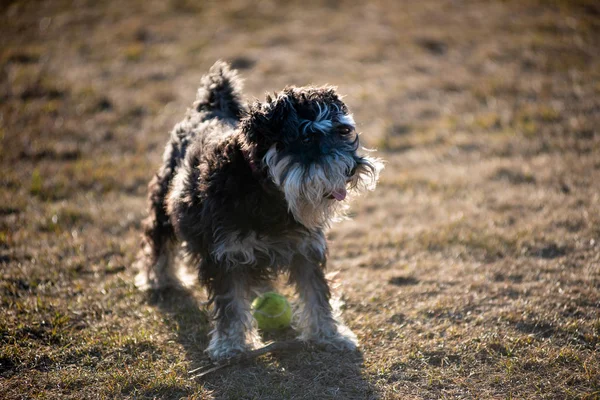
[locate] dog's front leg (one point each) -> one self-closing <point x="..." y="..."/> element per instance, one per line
<point x="316" y="320"/>
<point x="234" y="332"/>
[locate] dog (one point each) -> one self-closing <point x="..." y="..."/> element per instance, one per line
<point x="248" y="191"/>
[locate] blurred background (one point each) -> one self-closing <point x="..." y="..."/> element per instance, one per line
<point x="473" y="270"/>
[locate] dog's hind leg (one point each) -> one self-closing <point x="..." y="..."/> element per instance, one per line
<point x="156" y="259"/>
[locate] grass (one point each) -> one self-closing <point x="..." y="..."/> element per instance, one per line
<point x="472" y="271"/>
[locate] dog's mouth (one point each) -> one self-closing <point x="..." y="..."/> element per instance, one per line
<point x="337" y="194"/>
<point x="340" y="193"/>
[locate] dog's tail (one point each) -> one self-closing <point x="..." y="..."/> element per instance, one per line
<point x="220" y="92"/>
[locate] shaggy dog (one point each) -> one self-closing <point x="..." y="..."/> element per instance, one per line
<point x="248" y="191"/>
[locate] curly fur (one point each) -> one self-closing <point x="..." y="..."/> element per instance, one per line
<point x="249" y="190"/>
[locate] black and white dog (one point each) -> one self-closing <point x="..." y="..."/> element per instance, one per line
<point x="248" y="191"/>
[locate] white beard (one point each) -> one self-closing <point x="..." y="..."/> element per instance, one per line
<point x="308" y="190"/>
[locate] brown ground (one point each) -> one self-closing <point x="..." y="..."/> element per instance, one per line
<point x="472" y="272"/>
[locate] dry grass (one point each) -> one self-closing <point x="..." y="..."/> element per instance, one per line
<point x="473" y="271"/>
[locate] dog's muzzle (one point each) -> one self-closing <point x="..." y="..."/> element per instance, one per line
<point x="341" y="193"/>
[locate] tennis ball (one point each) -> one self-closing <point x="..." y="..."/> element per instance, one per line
<point x="272" y="311"/>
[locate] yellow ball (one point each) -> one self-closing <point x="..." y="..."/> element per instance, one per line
<point x="272" y="311"/>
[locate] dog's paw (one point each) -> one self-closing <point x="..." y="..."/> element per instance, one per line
<point x="222" y="347"/>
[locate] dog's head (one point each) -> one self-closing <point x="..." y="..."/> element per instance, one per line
<point x="306" y="139"/>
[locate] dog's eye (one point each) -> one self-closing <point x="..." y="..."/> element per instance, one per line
<point x="346" y="130"/>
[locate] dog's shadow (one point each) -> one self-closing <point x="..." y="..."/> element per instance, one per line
<point x="302" y="374"/>
<point x="185" y="316"/>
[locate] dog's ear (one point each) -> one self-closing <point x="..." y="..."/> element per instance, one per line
<point x="271" y="121"/>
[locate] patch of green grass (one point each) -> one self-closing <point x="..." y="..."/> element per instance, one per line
<point x="548" y="114"/>
<point x="134" y="52"/>
<point x="35" y="187"/>
<point x="488" y="121"/>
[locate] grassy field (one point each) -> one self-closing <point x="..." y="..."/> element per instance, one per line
<point x="473" y="271"/>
